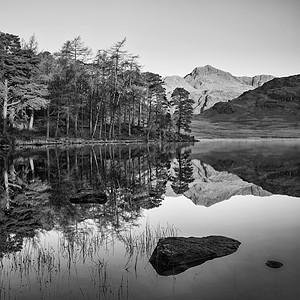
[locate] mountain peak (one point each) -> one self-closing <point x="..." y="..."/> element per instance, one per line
<point x="208" y="85"/>
<point x="208" y="70"/>
<point x="212" y="78"/>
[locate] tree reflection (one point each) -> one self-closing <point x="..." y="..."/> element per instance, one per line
<point x="183" y="172"/>
<point x="111" y="185"/>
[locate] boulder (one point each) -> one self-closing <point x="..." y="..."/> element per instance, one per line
<point x="174" y="255"/>
<point x="274" y="264"/>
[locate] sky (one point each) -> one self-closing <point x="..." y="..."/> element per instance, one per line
<point x="171" y="37"/>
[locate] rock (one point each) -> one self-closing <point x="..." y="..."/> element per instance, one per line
<point x="174" y="255"/>
<point x="274" y="264"/>
<point x="88" y="196"/>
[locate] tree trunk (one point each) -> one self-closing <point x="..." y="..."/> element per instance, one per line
<point x="6" y="197"/>
<point x="111" y="126"/>
<point x="30" y="125"/>
<point x="120" y="121"/>
<point x="57" y="124"/>
<point x="129" y="122"/>
<point x="76" y="124"/>
<point x="140" y="112"/>
<point x="96" y="123"/>
<point x="91" y="120"/>
<point x="5" y="105"/>
<point x="82" y="119"/>
<point x="48" y="122"/>
<point x="67" y="122"/>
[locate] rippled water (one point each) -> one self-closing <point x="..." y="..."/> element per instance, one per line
<point x="53" y="249"/>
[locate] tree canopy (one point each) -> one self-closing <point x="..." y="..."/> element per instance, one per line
<point x="72" y="93"/>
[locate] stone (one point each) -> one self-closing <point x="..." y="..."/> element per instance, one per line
<point x="174" y="255"/>
<point x="274" y="264"/>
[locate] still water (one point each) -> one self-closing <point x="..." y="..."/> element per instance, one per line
<point x="81" y="223"/>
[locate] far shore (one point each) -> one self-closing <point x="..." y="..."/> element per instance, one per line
<point x="80" y="142"/>
<point x="250" y="139"/>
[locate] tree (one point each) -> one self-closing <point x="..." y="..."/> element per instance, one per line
<point x="183" y="109"/>
<point x="32" y="44"/>
<point x="20" y="88"/>
<point x="156" y="103"/>
<point x="69" y="85"/>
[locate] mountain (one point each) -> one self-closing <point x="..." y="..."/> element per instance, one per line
<point x="271" y="110"/>
<point x="208" y="85"/>
<point x="279" y="97"/>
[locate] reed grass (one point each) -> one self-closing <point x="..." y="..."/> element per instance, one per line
<point x="44" y="270"/>
<point x="143" y="243"/>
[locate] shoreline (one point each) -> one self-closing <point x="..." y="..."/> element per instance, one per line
<point x="250" y="139"/>
<point x="41" y="143"/>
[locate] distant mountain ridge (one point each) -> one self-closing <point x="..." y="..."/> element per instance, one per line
<point x="208" y="85"/>
<point x="279" y="97"/>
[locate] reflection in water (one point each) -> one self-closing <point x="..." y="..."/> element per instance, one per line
<point x="272" y="165"/>
<point x="60" y="188"/>
<point x="78" y="214"/>
<point x="183" y="172"/>
<point x="210" y="186"/>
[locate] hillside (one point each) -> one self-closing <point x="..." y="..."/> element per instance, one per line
<point x="271" y="110"/>
<point x="208" y="85"/>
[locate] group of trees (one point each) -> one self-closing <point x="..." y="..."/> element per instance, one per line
<point x="71" y="93"/>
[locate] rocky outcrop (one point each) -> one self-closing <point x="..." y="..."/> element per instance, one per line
<point x="174" y="255"/>
<point x="208" y="85"/>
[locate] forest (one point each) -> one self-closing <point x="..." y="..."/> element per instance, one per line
<point x="74" y="94"/>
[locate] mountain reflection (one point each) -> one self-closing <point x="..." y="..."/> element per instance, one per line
<point x="59" y="188"/>
<point x="272" y="165"/>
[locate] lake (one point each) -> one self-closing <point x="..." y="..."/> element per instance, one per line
<point x="82" y="222"/>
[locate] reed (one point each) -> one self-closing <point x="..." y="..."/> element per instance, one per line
<point x="143" y="243"/>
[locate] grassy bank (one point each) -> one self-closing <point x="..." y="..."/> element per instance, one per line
<point x="255" y="128"/>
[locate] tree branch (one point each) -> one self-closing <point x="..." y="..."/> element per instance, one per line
<point x="14" y="103"/>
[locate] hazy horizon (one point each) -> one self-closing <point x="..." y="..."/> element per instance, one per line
<point x="171" y="37"/>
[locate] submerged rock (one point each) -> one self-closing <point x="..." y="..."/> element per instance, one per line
<point x="174" y="255"/>
<point x="89" y="196"/>
<point x="274" y="264"/>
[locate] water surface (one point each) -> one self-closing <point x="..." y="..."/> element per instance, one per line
<point x="52" y="248"/>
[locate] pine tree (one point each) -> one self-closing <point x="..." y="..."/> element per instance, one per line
<point x="183" y="109"/>
<point x="20" y="88"/>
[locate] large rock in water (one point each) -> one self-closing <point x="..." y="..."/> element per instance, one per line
<point x="174" y="255"/>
